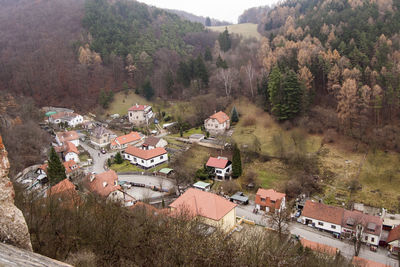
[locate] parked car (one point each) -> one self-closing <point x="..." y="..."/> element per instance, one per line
<point x="298" y="213"/>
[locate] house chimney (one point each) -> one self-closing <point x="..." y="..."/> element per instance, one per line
<point x="104" y="184"/>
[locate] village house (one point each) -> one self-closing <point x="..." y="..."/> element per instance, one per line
<point x="217" y="123"/>
<point x="369" y="225"/>
<point x="269" y="200"/>
<point x="65" y="192"/>
<point x="140" y="114"/>
<point x="101" y="137"/>
<point x="72" y="119"/>
<point x="393" y="240"/>
<point x="212" y="209"/>
<point x="152" y="142"/>
<point x="105" y="185"/>
<point x="122" y="142"/>
<point x="71" y="136"/>
<point x="70" y="167"/>
<point x="222" y="167"/>
<point x="323" y="216"/>
<point x="146" y="159"/>
<point x="68" y="151"/>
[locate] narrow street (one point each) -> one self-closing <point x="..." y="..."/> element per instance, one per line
<point x="346" y="249"/>
<point x="99" y="159"/>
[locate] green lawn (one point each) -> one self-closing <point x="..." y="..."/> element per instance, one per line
<point x="126" y="166"/>
<point x="247" y="30"/>
<point x="189" y="132"/>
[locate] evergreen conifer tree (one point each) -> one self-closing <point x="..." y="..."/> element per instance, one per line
<point x="236" y="162"/>
<point x="55" y="169"/>
<point x="208" y="22"/>
<point x="224" y="40"/>
<point x="234" y="115"/>
<point x="118" y="158"/>
<point x="148" y="90"/>
<point x="208" y="54"/>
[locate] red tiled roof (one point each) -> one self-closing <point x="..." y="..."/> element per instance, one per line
<point x="219" y="163"/>
<point x="44" y="167"/>
<point x="394" y="234"/>
<point x="104" y="183"/>
<point x="270" y="193"/>
<point x="221" y="117"/>
<point x="357" y="217"/>
<point x="201" y="203"/>
<point x="63" y="187"/>
<point x="70" y="147"/>
<point x="126" y="139"/>
<point x="70" y="166"/>
<point x="361" y="262"/>
<point x="137" y="107"/>
<point x="145" y="154"/>
<point x="67" y="136"/>
<point x="322" y="212"/>
<point x="319" y="247"/>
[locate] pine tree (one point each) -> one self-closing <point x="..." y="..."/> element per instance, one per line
<point x="221" y="63"/>
<point x="224" y="40"/>
<point x="201" y="71"/>
<point x="275" y="91"/>
<point x="55" y="170"/>
<point x="118" y="158"/>
<point x="208" y="22"/>
<point x="148" y="90"/>
<point x="234" y="115"/>
<point x="208" y="54"/>
<point x="293" y="95"/>
<point x="236" y="162"/>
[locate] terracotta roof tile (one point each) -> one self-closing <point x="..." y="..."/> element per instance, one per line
<point x="70" y="166"/>
<point x="126" y="139"/>
<point x="220" y="163"/>
<point x="221" y="117"/>
<point x="137" y="107"/>
<point x="145" y="154"/>
<point x="361" y="262"/>
<point x="70" y="147"/>
<point x="394" y="234"/>
<point x="201" y="203"/>
<point x="319" y="247"/>
<point x="151" y="141"/>
<point x="355" y="217"/>
<point x="67" y="136"/>
<point x="320" y="211"/>
<point x="104" y="183"/>
<point x="270" y="193"/>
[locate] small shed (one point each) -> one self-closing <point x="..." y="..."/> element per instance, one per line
<point x="202" y="186"/>
<point x="196" y="137"/>
<point x="239" y="198"/>
<point x="48" y="114"/>
<point x="165" y="171"/>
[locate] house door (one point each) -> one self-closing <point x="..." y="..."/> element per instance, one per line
<point x="262" y="208"/>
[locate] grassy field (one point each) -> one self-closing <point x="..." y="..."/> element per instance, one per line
<point x="126" y="166"/>
<point x="189" y="132"/>
<point x="247" y="30"/>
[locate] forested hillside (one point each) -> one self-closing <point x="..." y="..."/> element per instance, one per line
<point x="346" y="55"/>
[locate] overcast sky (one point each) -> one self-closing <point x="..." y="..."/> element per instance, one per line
<point x="228" y="10"/>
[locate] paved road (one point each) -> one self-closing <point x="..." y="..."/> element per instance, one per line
<point x="99" y="159"/>
<point x="145" y="193"/>
<point x="346" y="249"/>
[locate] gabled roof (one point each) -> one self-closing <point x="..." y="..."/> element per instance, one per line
<point x="145" y="154"/>
<point x="361" y="262"/>
<point x="99" y="131"/>
<point x="151" y="141"/>
<point x="270" y="193"/>
<point x="63" y="187"/>
<point x="70" y="166"/>
<point x="104" y="183"/>
<point x="394" y="234"/>
<point x="221" y="117"/>
<point x="322" y="212"/>
<point x="372" y="224"/>
<point x="70" y="147"/>
<point x="67" y="136"/>
<point x="137" y="107"/>
<point x="201" y="203"/>
<point x="220" y="163"/>
<point x="126" y="139"/>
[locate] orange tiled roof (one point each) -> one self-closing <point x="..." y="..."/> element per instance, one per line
<point x="137" y="107"/>
<point x="322" y="212"/>
<point x="357" y="217"/>
<point x="270" y="193"/>
<point x="221" y="117"/>
<point x="104" y="183"/>
<point x="126" y="139"/>
<point x="63" y="187"/>
<point x="319" y="247"/>
<point x="145" y="154"/>
<point x="70" y="147"/>
<point x="67" y="136"/>
<point x="361" y="262"/>
<point x="70" y="166"/>
<point x="394" y="234"/>
<point x="201" y="203"/>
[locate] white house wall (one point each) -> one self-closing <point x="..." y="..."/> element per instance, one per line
<point x="146" y="163"/>
<point x="72" y="156"/>
<point x="326" y="225"/>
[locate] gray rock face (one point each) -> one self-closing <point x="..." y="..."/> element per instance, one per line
<point x="13" y="227"/>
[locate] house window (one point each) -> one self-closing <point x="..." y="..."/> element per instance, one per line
<point x="366" y="238"/>
<point x="218" y="171"/>
<point x="142" y="161"/>
<point x="372" y="239"/>
<point x="263" y="199"/>
<point x="272" y="201"/>
<point x="161" y="157"/>
<point x="333" y="226"/>
<point x="152" y="161"/>
<point x="135" y="159"/>
<point x="321" y="223"/>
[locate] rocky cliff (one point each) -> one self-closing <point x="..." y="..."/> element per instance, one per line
<point x="13" y="228"/>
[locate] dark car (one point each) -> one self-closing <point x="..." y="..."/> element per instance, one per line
<point x="298" y="213"/>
